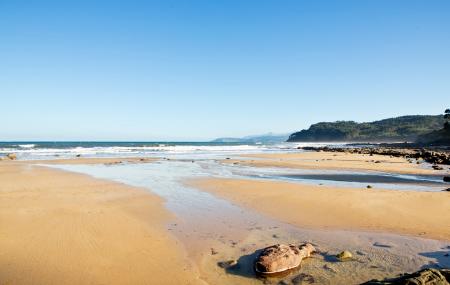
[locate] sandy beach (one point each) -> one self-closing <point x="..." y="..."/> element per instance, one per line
<point x="337" y="161"/>
<point x="405" y="212"/>
<point x="64" y="228"/>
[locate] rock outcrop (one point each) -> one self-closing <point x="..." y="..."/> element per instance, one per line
<point x="422" y="277"/>
<point x="431" y="156"/>
<point x="280" y="258"/>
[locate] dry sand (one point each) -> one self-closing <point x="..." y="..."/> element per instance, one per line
<point x="423" y="214"/>
<point x="337" y="161"/>
<point x="65" y="228"/>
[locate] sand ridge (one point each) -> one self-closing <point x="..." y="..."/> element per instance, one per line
<point x="405" y="212"/>
<point x="337" y="161"/>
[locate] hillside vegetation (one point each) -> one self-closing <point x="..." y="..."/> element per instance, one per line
<point x="405" y="128"/>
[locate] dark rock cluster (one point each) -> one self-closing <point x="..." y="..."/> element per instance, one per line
<point x="422" y="277"/>
<point x="431" y="156"/>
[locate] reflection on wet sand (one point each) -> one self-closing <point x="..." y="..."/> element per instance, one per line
<point x="215" y="231"/>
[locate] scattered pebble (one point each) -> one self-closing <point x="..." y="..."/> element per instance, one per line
<point x="382" y="245"/>
<point x="345" y="255"/>
<point x="329" y="268"/>
<point x="227" y="264"/>
<point x="303" y="278"/>
<point x="369" y="186"/>
<point x="359" y="252"/>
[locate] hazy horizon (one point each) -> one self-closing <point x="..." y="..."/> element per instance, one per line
<point x="199" y="70"/>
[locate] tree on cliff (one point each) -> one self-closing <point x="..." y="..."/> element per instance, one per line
<point x="447" y="119"/>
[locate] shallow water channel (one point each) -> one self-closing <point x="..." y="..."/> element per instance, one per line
<point x="214" y="230"/>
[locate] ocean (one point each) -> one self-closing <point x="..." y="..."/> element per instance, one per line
<point x="68" y="149"/>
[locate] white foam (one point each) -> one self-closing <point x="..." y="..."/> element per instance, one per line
<point x="30" y="151"/>
<point x="27" y="145"/>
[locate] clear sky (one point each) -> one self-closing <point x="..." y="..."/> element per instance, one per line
<point x="194" y="70"/>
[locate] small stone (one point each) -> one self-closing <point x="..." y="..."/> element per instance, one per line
<point x="369" y="186"/>
<point x="446" y="178"/>
<point x="213" y="251"/>
<point x="227" y="264"/>
<point x="379" y="244"/>
<point x="329" y="268"/>
<point x="303" y="278"/>
<point x="345" y="255"/>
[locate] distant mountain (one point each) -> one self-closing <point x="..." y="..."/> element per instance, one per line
<point x="405" y="128"/>
<point x="267" y="138"/>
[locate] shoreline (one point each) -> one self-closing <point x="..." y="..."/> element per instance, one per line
<point x="92" y="160"/>
<point x="430" y="155"/>
<point x="336" y="161"/>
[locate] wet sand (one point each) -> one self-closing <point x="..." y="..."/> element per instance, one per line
<point x="368" y="178"/>
<point x="92" y="160"/>
<point x="405" y="212"/>
<point x="71" y="223"/>
<point x="65" y="228"/>
<point x="337" y="161"/>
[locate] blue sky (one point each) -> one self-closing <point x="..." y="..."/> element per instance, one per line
<point x="194" y="70"/>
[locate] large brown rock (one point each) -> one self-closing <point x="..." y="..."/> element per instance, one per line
<point x="280" y="257"/>
<point x="422" y="277"/>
